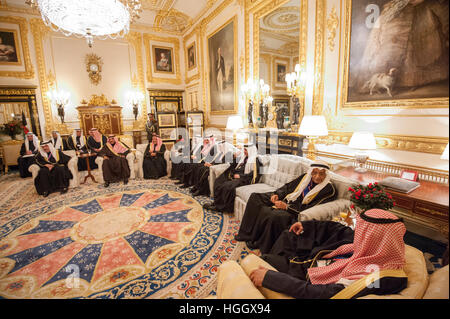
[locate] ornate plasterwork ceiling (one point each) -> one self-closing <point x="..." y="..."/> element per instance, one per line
<point x="171" y="16"/>
<point x="280" y="30"/>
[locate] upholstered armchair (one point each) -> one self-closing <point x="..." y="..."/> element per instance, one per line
<point x="73" y="167"/>
<point x="140" y="150"/>
<point x="11" y="152"/>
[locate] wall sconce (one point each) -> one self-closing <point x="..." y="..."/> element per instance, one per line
<point x="134" y="98"/>
<point x="296" y="87"/>
<point x="313" y="126"/>
<point x="362" y="141"/>
<point x="60" y="98"/>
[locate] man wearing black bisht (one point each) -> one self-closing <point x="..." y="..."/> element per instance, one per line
<point x="267" y="215"/>
<point x="54" y="174"/>
<point x="179" y="154"/>
<point x="243" y="171"/>
<point x="207" y="155"/>
<point x="77" y="142"/>
<point x="194" y="157"/>
<point x="115" y="165"/>
<point x="201" y="180"/>
<point x="29" y="149"/>
<point x="154" y="164"/>
<point x="95" y="143"/>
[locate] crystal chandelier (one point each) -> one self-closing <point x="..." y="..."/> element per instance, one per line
<point x="88" y="18"/>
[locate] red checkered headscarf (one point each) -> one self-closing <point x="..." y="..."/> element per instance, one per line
<point x="378" y="245"/>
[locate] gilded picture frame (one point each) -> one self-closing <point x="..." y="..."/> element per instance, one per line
<point x="166" y="120"/>
<point x="360" y="78"/>
<point x="9" y="47"/>
<point x="168" y="134"/>
<point x="222" y="85"/>
<point x="191" y="56"/>
<point x="15" y="31"/>
<point x="280" y="69"/>
<point x="163" y="59"/>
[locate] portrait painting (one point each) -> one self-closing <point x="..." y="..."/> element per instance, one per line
<point x="281" y="70"/>
<point x="396" y="50"/>
<point x="222" y="69"/>
<point x="9" y="47"/>
<point x="195" y="119"/>
<point x="192" y="61"/>
<point x="163" y="59"/>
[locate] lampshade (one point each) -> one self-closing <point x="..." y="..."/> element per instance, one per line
<point x="363" y="141"/>
<point x="234" y="122"/>
<point x="313" y="125"/>
<point x="445" y="154"/>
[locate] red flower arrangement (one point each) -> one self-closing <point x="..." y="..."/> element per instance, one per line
<point x="12" y="128"/>
<point x="370" y="196"/>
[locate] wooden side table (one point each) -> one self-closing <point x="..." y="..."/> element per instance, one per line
<point x="426" y="206"/>
<point x="87" y="156"/>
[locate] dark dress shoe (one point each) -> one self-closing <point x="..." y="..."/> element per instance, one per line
<point x="179" y="183"/>
<point x="125" y="181"/>
<point x="197" y="193"/>
<point x="106" y="184"/>
<point x="184" y="186"/>
<point x="45" y="194"/>
<point x="65" y="190"/>
<point x="237" y="238"/>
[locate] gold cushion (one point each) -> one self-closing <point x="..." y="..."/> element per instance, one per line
<point x="233" y="283"/>
<point x="252" y="262"/>
<point x="438" y="287"/>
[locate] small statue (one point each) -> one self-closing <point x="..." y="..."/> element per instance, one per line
<point x="135" y="111"/>
<point x="250" y="113"/>
<point x="296" y="110"/>
<point x="61" y="112"/>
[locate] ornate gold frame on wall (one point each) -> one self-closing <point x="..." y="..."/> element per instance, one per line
<point x="258" y="9"/>
<point x="25" y="54"/>
<point x="176" y="59"/>
<point x="233" y="20"/>
<point x="425" y="103"/>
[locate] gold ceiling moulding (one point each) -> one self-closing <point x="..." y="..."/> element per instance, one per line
<point x="419" y="144"/>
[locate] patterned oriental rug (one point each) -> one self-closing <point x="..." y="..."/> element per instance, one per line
<point x="147" y="239"/>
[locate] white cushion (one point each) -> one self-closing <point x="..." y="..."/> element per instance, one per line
<point x="244" y="192"/>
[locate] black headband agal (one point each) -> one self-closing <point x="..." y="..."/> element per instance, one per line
<point x="374" y="220"/>
<point x="320" y="165"/>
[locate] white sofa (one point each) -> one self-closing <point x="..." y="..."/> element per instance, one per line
<point x="278" y="170"/>
<point x="73" y="167"/>
<point x="140" y="150"/>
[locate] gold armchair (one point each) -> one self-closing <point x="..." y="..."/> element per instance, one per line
<point x="11" y="152"/>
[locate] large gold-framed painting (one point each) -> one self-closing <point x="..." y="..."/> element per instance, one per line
<point x="222" y="63"/>
<point x="9" y="47"/>
<point x="396" y="54"/>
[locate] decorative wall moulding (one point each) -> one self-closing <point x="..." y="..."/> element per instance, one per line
<point x="419" y="144"/>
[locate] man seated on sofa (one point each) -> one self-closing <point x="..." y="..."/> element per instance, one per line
<point x="308" y="270"/>
<point x="115" y="165"/>
<point x="29" y="149"/>
<point x="54" y="174"/>
<point x="268" y="214"/>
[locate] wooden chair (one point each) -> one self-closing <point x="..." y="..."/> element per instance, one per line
<point x="11" y="152"/>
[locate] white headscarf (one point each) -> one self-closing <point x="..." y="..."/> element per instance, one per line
<point x="35" y="142"/>
<point x="58" y="143"/>
<point x="252" y="154"/>
<point x="82" y="138"/>
<point x="224" y="148"/>
<point x="292" y="197"/>
<point x="52" y="150"/>
<point x="197" y="142"/>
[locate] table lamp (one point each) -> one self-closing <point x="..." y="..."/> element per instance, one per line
<point x="312" y="127"/>
<point x="362" y="141"/>
<point x="445" y="154"/>
<point x="234" y="124"/>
